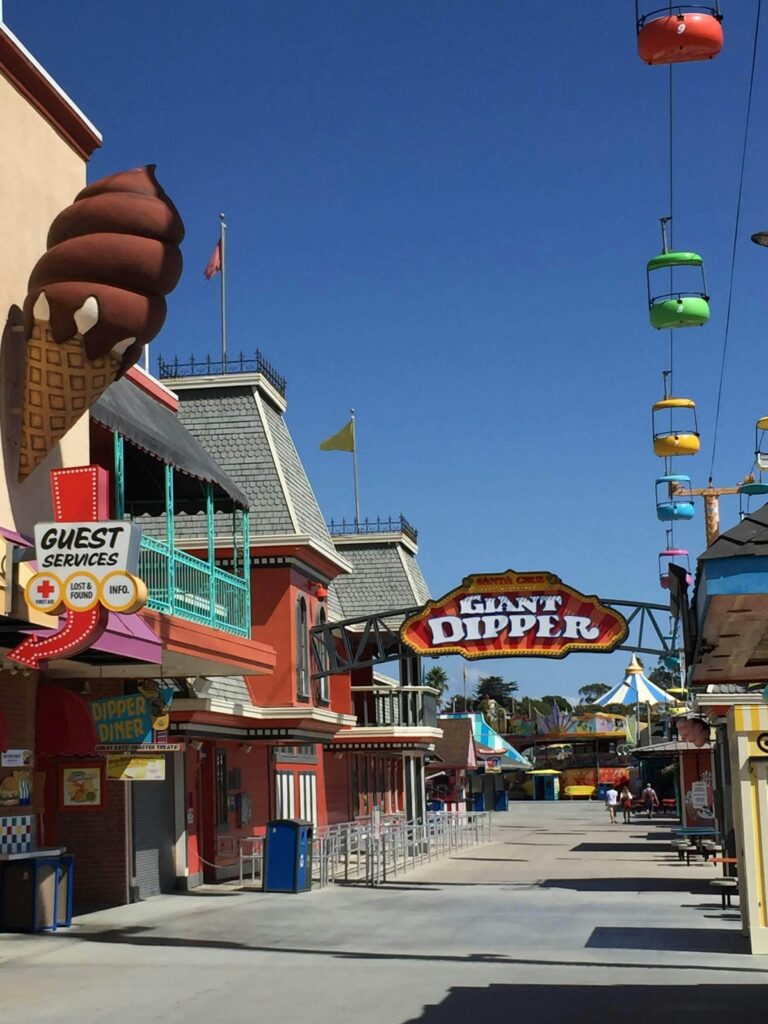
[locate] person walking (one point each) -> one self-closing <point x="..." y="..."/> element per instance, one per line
<point x="650" y="799"/>
<point x="611" y="801"/>
<point x="625" y="799"/>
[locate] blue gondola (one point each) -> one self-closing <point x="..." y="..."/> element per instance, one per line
<point x="751" y="489"/>
<point x="672" y="502"/>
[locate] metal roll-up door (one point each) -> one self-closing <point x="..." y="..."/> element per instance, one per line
<point x="154" y="835"/>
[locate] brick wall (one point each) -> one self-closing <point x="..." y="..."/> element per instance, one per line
<point x="18" y="697"/>
<point x="97" y="838"/>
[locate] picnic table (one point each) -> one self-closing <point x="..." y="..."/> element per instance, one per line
<point x="725" y="861"/>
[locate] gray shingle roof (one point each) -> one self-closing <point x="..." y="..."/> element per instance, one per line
<point x="230" y="688"/>
<point x="249" y="438"/>
<point x="385" y="577"/>
<point x="303" y="501"/>
<point x="749" y="537"/>
<point x="228" y="422"/>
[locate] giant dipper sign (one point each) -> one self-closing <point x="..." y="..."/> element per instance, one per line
<point x="511" y="614"/>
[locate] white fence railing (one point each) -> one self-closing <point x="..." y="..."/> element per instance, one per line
<point x="371" y="853"/>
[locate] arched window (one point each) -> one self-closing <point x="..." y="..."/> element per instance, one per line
<point x="324" y="664"/>
<point x="302" y="650"/>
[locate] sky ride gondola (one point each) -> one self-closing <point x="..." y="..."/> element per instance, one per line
<point x="674" y="556"/>
<point x="679" y="33"/>
<point x="751" y="489"/>
<point x="761" y="443"/>
<point x="673" y="504"/>
<point x="672" y="309"/>
<point x="675" y="427"/>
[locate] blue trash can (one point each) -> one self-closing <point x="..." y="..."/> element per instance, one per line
<point x="478" y="801"/>
<point x="502" y="801"/>
<point x="288" y="856"/>
<point x="436" y="805"/>
<point x="602" y="789"/>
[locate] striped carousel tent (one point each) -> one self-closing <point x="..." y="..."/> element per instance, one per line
<point x="635" y="688"/>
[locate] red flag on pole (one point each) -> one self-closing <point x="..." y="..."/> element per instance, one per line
<point x="214" y="263"/>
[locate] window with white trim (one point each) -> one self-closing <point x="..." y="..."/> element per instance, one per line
<point x="324" y="663"/>
<point x="302" y="650"/>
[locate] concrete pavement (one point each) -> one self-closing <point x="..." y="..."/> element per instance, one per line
<point x="561" y="918"/>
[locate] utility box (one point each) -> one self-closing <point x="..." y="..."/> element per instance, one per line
<point x="29" y="895"/>
<point x="65" y="890"/>
<point x="288" y="856"/>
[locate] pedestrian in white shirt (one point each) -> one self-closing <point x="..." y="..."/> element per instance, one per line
<point x="611" y="802"/>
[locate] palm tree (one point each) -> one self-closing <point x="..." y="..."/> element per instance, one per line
<point x="437" y="678"/>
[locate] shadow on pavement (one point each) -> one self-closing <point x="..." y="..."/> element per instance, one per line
<point x="577" y="1004"/>
<point x="610" y="848"/>
<point x="143" y="936"/>
<point x="682" y="940"/>
<point x="493" y="860"/>
<point x="625" y="884"/>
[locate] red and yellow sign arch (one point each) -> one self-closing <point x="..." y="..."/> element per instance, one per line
<point x="510" y="614"/>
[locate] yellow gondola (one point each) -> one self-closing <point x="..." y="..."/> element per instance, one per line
<point x="679" y="433"/>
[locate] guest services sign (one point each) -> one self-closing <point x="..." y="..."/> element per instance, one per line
<point x="84" y="564"/>
<point x="86" y="567"/>
<point x="511" y="614"/>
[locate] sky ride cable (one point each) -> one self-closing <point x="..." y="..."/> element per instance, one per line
<point x="735" y="240"/>
<point x="671" y="231"/>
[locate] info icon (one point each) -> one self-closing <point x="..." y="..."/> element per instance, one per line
<point x="123" y="592"/>
<point x="81" y="591"/>
<point x="43" y="592"/>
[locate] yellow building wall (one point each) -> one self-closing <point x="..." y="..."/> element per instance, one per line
<point x="748" y="743"/>
<point x="40" y="174"/>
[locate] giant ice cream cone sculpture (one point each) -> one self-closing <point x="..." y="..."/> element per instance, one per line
<point x="94" y="300"/>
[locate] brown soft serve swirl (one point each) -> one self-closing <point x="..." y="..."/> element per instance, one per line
<point x="119" y="243"/>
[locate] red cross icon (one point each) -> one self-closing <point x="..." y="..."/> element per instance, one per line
<point x="46" y="588"/>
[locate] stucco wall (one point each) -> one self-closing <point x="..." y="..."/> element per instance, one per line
<point x="40" y="174"/>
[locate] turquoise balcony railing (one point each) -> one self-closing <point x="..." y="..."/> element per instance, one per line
<point x="182" y="585"/>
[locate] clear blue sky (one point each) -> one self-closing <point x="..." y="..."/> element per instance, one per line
<point x="440" y="214"/>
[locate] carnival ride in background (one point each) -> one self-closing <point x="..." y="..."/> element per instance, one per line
<point x="678" y="298"/>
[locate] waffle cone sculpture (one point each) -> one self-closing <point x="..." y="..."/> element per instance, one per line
<point x="94" y="300"/>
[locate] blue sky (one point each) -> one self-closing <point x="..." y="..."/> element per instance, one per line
<point x="440" y="214"/>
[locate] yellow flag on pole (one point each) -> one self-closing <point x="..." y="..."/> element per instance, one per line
<point x="342" y="441"/>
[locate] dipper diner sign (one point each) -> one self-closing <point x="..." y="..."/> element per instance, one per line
<point x="511" y="614"/>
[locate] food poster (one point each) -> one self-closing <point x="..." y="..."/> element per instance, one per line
<point x="126" y="768"/>
<point x="81" y="786"/>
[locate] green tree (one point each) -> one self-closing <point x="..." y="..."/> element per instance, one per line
<point x="496" y="688"/>
<point x="437" y="678"/>
<point x="460" y="705"/>
<point x="555" y="700"/>
<point x="663" y="677"/>
<point x="592" y="691"/>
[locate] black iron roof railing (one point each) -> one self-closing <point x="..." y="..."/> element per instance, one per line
<point x="233" y="364"/>
<point x="363" y="526"/>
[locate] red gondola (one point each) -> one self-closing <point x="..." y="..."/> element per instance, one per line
<point x="679" y="32"/>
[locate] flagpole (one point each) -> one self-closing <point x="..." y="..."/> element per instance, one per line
<point x="354" y="467"/>
<point x="222" y="244"/>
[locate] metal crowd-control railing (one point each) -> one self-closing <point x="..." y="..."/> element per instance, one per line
<point x="370" y="853"/>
